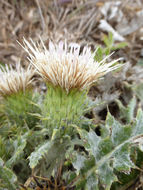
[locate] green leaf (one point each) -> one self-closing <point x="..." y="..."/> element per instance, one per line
<point x="127" y="113"/>
<point x="5" y="148"/>
<point x="19" y="146"/>
<point x="123" y="162"/>
<point x="138" y="124"/>
<point x="139" y="91"/>
<point x="106" y="174"/>
<point x="108" y="40"/>
<point x="107" y="51"/>
<point x="119" y="46"/>
<point x="99" y="54"/>
<point x="120" y="133"/>
<point x="52" y="152"/>
<point x="79" y="162"/>
<point x="92" y="183"/>
<point x="140" y="62"/>
<point x="113" y="151"/>
<point x="39" y="153"/>
<point x="8" y="177"/>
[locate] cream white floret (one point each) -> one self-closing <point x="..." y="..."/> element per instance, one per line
<point x="14" y="80"/>
<point x="66" y="65"/>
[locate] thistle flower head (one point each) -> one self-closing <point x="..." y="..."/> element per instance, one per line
<point x="13" y="81"/>
<point x="66" y="65"/>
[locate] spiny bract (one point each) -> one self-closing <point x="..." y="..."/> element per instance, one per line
<point x="14" y="80"/>
<point x="66" y="65"/>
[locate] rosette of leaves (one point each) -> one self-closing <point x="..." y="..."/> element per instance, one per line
<point x="17" y="95"/>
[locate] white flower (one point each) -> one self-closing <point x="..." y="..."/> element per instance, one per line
<point x="68" y="66"/>
<point x="12" y="81"/>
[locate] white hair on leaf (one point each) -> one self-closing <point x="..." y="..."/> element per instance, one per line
<point x="66" y="65"/>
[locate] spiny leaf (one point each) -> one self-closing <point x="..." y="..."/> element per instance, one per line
<point x="99" y="149"/>
<point x="54" y="151"/>
<point x="8" y="177"/>
<point x="79" y="162"/>
<point x="123" y="161"/>
<point x="138" y="124"/>
<point x="112" y="152"/>
<point x="92" y="183"/>
<point x="127" y="113"/>
<point x="120" y="133"/>
<point x="19" y="146"/>
<point x="107" y="176"/>
<point x="5" y="148"/>
<point x="39" y="153"/>
<point x="138" y="89"/>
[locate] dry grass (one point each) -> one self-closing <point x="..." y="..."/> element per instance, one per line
<point x="75" y="20"/>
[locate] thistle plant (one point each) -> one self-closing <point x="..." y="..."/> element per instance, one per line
<point x="16" y="94"/>
<point x="64" y="141"/>
<point x="60" y="141"/>
<point x="69" y="73"/>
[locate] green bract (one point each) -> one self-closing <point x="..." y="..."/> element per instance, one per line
<point x="61" y="109"/>
<point x="18" y="108"/>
